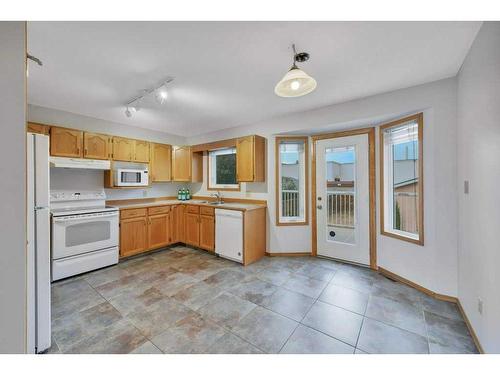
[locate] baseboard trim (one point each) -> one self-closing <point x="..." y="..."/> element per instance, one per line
<point x="442" y="297"/>
<point x="302" y="254"/>
<point x="394" y="276"/>
<point x="469" y="326"/>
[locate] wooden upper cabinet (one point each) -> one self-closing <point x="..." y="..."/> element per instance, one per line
<point x="207" y="232"/>
<point x="96" y="146"/>
<point x="250" y="159"/>
<point x="133" y="236"/>
<point x="158" y="230"/>
<point x="192" y="229"/>
<point x="34" y="127"/>
<point x="66" y="142"/>
<point x="161" y="162"/>
<point x="123" y="149"/>
<point x="141" y="151"/>
<point x="181" y="163"/>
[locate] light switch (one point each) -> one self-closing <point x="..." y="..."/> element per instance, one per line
<point x="466" y="187"/>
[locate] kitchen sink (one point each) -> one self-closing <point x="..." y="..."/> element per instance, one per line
<point x="216" y="203"/>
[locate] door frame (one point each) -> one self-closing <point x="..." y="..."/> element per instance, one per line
<point x="371" y="178"/>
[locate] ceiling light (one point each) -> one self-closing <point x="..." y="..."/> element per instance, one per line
<point x="296" y="82"/>
<point x="160" y="94"/>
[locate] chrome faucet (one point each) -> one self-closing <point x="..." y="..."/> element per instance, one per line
<point x="218" y="195"/>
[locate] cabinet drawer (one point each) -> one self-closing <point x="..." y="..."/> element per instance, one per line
<point x="193" y="209"/>
<point x="158" y="210"/>
<point x="209" y="211"/>
<point x="135" y="212"/>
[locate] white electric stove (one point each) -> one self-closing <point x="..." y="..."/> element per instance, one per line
<point x="85" y="232"/>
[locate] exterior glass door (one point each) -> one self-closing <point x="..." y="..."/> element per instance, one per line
<point x="342" y="193"/>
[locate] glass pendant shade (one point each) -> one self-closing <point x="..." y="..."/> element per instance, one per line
<point x="295" y="83"/>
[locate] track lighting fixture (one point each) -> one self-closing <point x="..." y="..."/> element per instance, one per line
<point x="296" y="82"/>
<point x="161" y="95"/>
<point x="160" y="92"/>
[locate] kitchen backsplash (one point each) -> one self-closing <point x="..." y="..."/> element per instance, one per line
<point x="82" y="179"/>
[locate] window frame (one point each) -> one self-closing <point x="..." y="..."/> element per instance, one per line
<point x="278" y="141"/>
<point x="419" y="119"/>
<point x="237" y="187"/>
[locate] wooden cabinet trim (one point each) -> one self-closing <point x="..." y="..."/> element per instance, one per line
<point x="158" y="210"/>
<point x="133" y="212"/>
<point x="209" y="211"/>
<point x="193" y="209"/>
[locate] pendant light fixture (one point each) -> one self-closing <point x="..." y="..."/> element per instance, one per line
<point x="296" y="82"/>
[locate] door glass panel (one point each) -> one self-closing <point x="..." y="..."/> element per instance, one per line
<point x="89" y="232"/>
<point x="341" y="194"/>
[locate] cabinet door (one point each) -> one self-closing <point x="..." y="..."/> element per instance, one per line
<point x="178" y="224"/>
<point x="96" y="146"/>
<point x="245" y="159"/>
<point x="161" y="162"/>
<point x="158" y="230"/>
<point x="133" y="236"/>
<point x="141" y="153"/>
<point x="66" y="142"/>
<point x="207" y="232"/>
<point x="123" y="149"/>
<point x="181" y="163"/>
<point x="33" y="127"/>
<point x="192" y="234"/>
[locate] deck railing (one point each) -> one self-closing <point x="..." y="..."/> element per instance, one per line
<point x="290" y="203"/>
<point x="340" y="208"/>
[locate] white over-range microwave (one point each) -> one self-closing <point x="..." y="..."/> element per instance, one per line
<point x="131" y="177"/>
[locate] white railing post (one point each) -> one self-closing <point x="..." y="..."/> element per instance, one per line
<point x="340" y="206"/>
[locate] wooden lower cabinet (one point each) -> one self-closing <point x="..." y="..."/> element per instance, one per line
<point x="192" y="225"/>
<point x="158" y="230"/>
<point x="177" y="223"/>
<point x="143" y="229"/>
<point x="207" y="232"/>
<point x="133" y="236"/>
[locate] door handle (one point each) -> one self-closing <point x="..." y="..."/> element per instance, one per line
<point x="319" y="207"/>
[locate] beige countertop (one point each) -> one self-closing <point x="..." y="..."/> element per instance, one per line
<point x="229" y="205"/>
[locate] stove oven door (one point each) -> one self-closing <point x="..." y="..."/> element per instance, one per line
<point x="79" y="234"/>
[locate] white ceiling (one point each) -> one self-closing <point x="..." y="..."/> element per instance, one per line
<point x="225" y="72"/>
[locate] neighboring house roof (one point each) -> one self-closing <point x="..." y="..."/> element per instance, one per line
<point x="406" y="183"/>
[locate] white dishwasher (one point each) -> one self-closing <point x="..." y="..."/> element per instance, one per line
<point x="229" y="234"/>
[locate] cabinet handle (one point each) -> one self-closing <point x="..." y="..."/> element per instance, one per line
<point x="85" y="151"/>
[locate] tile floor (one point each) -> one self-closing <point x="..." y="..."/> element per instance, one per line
<point x="181" y="300"/>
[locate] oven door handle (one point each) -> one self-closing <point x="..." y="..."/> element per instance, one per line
<point x="65" y="219"/>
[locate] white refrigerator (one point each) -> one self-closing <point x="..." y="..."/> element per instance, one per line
<point x="38" y="246"/>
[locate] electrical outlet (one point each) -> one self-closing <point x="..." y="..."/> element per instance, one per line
<point x="466" y="187"/>
<point x="144" y="193"/>
<point x="480" y="306"/>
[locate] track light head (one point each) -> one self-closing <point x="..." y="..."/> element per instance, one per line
<point x="161" y="95"/>
<point x="160" y="92"/>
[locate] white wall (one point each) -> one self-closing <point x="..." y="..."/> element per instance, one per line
<point x="478" y="160"/>
<point x="13" y="188"/>
<point x="93" y="180"/>
<point x="433" y="265"/>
